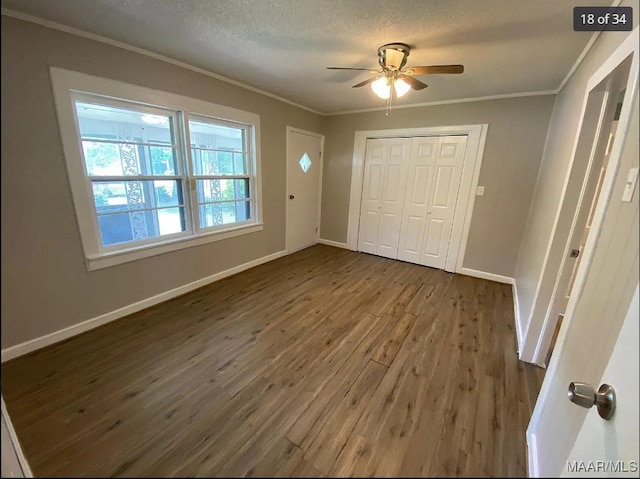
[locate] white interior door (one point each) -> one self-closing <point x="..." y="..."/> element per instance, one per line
<point x="385" y="177"/>
<point x="422" y="163"/>
<point x="392" y="204"/>
<point x="611" y="447"/>
<point x="443" y="200"/>
<point x="605" y="282"/>
<point x="375" y="162"/>
<point x="303" y="189"/>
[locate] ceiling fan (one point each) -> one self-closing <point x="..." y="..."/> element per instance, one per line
<point x="393" y="76"/>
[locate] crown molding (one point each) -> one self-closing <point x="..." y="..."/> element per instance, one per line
<point x="98" y="38"/>
<point x="584" y="53"/>
<point x="91" y="36"/>
<point x="449" y="102"/>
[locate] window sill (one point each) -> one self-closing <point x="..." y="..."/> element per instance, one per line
<point x="106" y="260"/>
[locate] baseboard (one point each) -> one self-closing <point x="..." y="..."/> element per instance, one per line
<point x="484" y="275"/>
<point x="61" y="335"/>
<point x="337" y="244"/>
<point x="532" y="456"/>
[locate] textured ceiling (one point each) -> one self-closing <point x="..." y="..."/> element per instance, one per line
<point x="283" y="46"/>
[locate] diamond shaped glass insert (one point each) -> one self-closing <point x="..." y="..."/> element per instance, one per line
<point x="305" y="162"/>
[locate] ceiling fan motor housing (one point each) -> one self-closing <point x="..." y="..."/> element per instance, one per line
<point x="393" y="56"/>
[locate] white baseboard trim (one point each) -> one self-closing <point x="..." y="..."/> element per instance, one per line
<point x="337" y="244"/>
<point x="57" y="336"/>
<point x="532" y="456"/>
<point x="506" y="280"/>
<point x="484" y="275"/>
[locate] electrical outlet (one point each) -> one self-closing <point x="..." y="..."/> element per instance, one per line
<point x="480" y="191"/>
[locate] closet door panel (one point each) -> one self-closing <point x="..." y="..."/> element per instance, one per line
<point x="394" y="187"/>
<point x="443" y="200"/>
<point x="374" y="171"/>
<point x="419" y="180"/>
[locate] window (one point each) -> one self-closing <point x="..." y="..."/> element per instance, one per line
<point x="149" y="177"/>
<point x="219" y="165"/>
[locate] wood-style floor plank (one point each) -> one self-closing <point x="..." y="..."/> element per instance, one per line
<point x="322" y="363"/>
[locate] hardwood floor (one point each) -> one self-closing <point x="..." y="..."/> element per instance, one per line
<point x="325" y="362"/>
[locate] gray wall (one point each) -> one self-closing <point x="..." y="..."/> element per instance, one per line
<point x="532" y="272"/>
<point x="514" y="146"/>
<point x="45" y="285"/>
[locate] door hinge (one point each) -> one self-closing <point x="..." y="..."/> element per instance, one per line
<point x="316" y="230"/>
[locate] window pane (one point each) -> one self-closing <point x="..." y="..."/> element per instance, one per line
<point x="162" y="159"/>
<point x="122" y="124"/>
<point x="168" y="192"/>
<point x="224" y="213"/>
<point x="222" y="190"/>
<point x="140" y="225"/>
<point x="124" y="159"/>
<point x="239" y="164"/>
<point x="208" y="162"/>
<point x="214" y="136"/>
<point x="171" y="220"/>
<point x="131" y="195"/>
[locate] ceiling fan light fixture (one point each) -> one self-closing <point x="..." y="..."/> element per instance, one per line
<point x="382" y="88"/>
<point x="401" y="87"/>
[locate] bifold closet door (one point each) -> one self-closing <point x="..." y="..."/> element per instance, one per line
<point x="435" y="169"/>
<point x="383" y="194"/>
<point x="422" y="163"/>
<point x="443" y="198"/>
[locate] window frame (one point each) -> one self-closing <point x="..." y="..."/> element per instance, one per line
<point x="69" y="86"/>
<point x="193" y="177"/>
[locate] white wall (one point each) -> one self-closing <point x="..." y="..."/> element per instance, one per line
<point x="544" y="236"/>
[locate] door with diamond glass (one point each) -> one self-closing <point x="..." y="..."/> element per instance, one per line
<point x="304" y="174"/>
<point x="385" y="178"/>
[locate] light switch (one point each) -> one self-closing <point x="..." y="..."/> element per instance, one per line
<point x="480" y="191"/>
<point x="630" y="185"/>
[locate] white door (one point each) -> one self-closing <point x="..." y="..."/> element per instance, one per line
<point x="303" y="189"/>
<point x="418" y="196"/>
<point x="385" y="177"/>
<point x="606" y="281"/>
<point x="611" y="447"/>
<point x="443" y="200"/>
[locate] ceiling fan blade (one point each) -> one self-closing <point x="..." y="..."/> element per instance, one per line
<point x="358" y="69"/>
<point x="367" y="81"/>
<point x="413" y="82"/>
<point x="434" y="69"/>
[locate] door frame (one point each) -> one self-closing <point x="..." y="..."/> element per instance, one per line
<point x="472" y="162"/>
<point x="14" y="461"/>
<point x="542" y="344"/>
<point x="628" y="47"/>
<point x="292" y="129"/>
